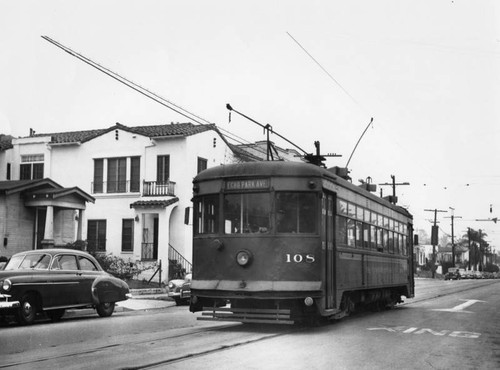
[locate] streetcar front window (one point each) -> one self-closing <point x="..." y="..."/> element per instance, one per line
<point x="247" y="213"/>
<point x="296" y="212"/>
<point x="206" y="215"/>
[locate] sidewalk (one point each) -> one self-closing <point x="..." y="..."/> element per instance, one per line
<point x="142" y="299"/>
<point x="145" y="299"/>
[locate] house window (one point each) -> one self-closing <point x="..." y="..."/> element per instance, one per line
<point x="96" y="235"/>
<point x="31" y="167"/>
<point x="127" y="235"/>
<point x="202" y="164"/>
<point x="118" y="179"/>
<point x="98" y="175"/>
<point x="162" y="168"/>
<point x="117" y="175"/>
<point x="135" y="174"/>
<point x="8" y="171"/>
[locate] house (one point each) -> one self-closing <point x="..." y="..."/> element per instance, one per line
<point x="39" y="213"/>
<point x="137" y="182"/>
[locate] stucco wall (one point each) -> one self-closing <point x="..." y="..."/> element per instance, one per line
<point x="16" y="224"/>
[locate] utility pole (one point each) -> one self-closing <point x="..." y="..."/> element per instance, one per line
<point x="453" y="235"/>
<point x="394" y="198"/>
<point x="468" y="237"/>
<point x="480" y="268"/>
<point x="434" y="238"/>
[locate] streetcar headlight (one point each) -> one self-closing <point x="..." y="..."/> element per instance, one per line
<point x="6" y="285"/>
<point x="243" y="258"/>
<point x="308" y="301"/>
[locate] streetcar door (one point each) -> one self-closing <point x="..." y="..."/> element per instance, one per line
<point x="328" y="234"/>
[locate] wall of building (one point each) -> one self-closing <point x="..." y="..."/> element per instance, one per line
<point x="16" y="225"/>
<point x="73" y="165"/>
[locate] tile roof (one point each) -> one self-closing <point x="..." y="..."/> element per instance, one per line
<point x="152" y="131"/>
<point x="154" y="203"/>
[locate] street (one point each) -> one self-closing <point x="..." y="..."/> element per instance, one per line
<point x="450" y="324"/>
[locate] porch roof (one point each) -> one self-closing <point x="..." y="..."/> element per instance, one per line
<point x="154" y="203"/>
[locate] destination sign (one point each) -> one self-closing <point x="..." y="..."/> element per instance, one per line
<point x="247" y="184"/>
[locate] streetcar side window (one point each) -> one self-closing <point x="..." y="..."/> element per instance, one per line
<point x="373" y="237"/>
<point x="359" y="234"/>
<point x="206" y="215"/>
<point x="296" y="212"/>
<point x="351" y="229"/>
<point x="341" y="230"/>
<point x="247" y="213"/>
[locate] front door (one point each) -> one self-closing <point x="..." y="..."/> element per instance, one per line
<point x="41" y="215"/>
<point x="155" y="238"/>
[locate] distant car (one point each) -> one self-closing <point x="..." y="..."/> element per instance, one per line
<point x="186" y="289"/>
<point x="174" y="290"/>
<point x="468" y="275"/>
<point x="52" y="280"/>
<point x="452" y="274"/>
<point x="477" y="275"/>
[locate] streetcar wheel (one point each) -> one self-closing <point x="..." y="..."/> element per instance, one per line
<point x="55" y="315"/>
<point x="105" y="309"/>
<point x="26" y="313"/>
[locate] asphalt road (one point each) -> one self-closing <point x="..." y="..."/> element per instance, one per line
<point x="449" y="325"/>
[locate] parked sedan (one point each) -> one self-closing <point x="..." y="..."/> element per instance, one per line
<point x="175" y="287"/>
<point x="52" y="280"/>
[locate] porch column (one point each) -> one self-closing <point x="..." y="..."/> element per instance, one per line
<point x="79" y="231"/>
<point x="48" y="237"/>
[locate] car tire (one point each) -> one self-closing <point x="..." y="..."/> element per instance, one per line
<point x="55" y="315"/>
<point x="105" y="309"/>
<point x="26" y="313"/>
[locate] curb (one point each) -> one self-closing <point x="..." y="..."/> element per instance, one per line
<point x="149" y="291"/>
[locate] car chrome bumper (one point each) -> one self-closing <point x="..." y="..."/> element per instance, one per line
<point x="7" y="304"/>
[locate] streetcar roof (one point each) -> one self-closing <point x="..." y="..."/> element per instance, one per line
<point x="287" y="169"/>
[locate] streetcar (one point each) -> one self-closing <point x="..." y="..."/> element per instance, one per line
<point x="289" y="242"/>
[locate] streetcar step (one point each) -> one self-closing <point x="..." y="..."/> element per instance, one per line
<point x="268" y="316"/>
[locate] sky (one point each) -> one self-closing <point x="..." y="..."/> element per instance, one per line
<point x="427" y="72"/>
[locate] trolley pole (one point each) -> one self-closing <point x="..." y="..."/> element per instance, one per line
<point x="394" y="198"/>
<point x="453" y="235"/>
<point x="434" y="238"/>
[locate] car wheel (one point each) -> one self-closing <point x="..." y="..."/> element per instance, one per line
<point x="27" y="311"/>
<point x="105" y="309"/>
<point x="55" y="315"/>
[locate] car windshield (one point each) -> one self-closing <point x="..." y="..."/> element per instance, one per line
<point x="31" y="261"/>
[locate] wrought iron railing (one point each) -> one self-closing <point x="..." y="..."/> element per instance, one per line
<point x="149" y="188"/>
<point x="178" y="265"/>
<point x="157" y="188"/>
<point x="112" y="187"/>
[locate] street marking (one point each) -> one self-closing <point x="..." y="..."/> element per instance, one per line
<point x="460" y="307"/>
<point x="416" y="331"/>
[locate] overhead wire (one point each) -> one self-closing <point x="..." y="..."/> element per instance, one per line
<point x="146" y="92"/>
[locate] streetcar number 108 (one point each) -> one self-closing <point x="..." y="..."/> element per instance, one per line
<point x="299" y="258"/>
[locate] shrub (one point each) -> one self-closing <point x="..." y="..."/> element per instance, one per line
<point x="116" y="266"/>
<point x="119" y="267"/>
